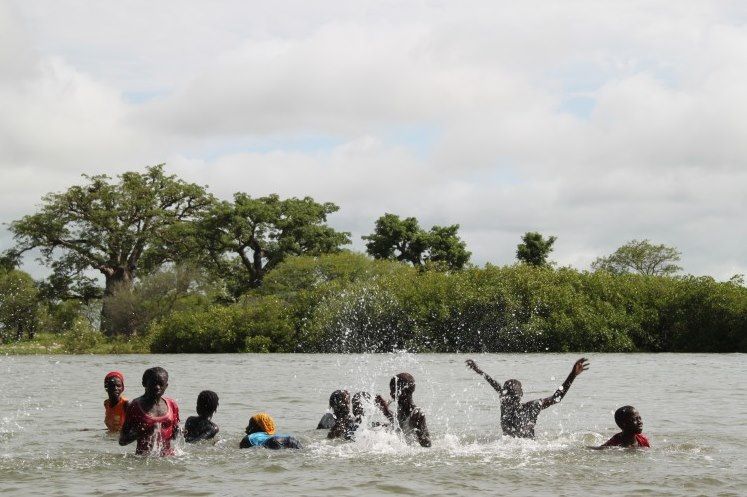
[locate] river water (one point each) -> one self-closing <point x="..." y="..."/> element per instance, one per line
<point x="694" y="409"/>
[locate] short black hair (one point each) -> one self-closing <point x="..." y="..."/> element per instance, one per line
<point x="623" y="413"/>
<point x="402" y="383"/>
<point x="207" y="403"/>
<point x="155" y="373"/>
<point x="339" y="401"/>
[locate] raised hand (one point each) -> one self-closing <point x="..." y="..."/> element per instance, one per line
<point x="473" y="366"/>
<point x="580" y="366"/>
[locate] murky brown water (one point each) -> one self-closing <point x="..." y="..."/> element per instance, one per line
<point x="693" y="406"/>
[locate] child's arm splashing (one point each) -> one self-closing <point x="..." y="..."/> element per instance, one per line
<point x="580" y="366"/>
<point x="474" y="367"/>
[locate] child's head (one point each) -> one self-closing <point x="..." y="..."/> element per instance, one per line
<point x="402" y="387"/>
<point x="114" y="384"/>
<point x="512" y="389"/>
<point x="359" y="401"/>
<point x="629" y="420"/>
<point x="261" y="422"/>
<point x="155" y="381"/>
<point x="339" y="401"/>
<point x="207" y="403"/>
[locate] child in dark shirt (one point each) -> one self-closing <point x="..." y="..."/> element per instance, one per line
<point x="631" y="424"/>
<point x="201" y="427"/>
<point x="518" y="419"/>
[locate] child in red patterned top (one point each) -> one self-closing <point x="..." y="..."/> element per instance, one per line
<point x="152" y="420"/>
<point x="631" y="424"/>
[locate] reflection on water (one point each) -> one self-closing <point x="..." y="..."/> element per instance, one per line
<point x="52" y="441"/>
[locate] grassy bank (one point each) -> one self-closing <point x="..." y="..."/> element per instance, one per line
<point x="67" y="343"/>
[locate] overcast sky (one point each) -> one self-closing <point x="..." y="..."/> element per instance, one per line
<point x="598" y="122"/>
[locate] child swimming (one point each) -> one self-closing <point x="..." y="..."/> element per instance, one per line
<point x="260" y="432"/>
<point x="116" y="405"/>
<point x="345" y="425"/>
<point x="152" y="419"/>
<point x="201" y="427"/>
<point x="631" y="424"/>
<point x="517" y="419"/>
<point x="410" y="419"/>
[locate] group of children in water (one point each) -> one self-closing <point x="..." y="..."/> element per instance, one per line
<point x="152" y="420"/>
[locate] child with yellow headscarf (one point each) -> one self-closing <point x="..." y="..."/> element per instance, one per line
<point x="261" y="432"/>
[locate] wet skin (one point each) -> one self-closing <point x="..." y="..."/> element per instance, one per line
<point x="152" y="404"/>
<point x="114" y="389"/>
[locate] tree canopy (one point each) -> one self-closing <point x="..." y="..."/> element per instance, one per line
<point x="261" y="232"/>
<point x="642" y="257"/>
<point x="534" y="248"/>
<point x="403" y="240"/>
<point x="19" y="305"/>
<point x="110" y="226"/>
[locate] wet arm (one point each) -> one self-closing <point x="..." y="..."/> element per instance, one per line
<point x="384" y="407"/>
<point x="128" y="434"/>
<point x="579" y="366"/>
<point x="421" y="430"/>
<point x="474" y="367"/>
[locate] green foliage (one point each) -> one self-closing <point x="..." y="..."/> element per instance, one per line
<point x="159" y="293"/>
<point x="259" y="233"/>
<point x="255" y="325"/>
<point x="82" y="337"/>
<point x="534" y="248"/>
<point x="640" y="257"/>
<point x="111" y="227"/>
<point x="403" y="240"/>
<point x="19" y="305"/>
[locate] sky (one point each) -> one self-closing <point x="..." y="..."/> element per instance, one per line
<point x="597" y="122"/>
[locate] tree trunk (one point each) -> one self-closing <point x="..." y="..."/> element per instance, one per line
<point x="116" y="313"/>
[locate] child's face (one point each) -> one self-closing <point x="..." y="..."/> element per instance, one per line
<point x="156" y="385"/>
<point x="632" y="423"/>
<point x="114" y="387"/>
<point x="251" y="427"/>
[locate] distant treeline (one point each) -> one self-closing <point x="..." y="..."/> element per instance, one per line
<point x="350" y="303"/>
<point x="186" y="272"/>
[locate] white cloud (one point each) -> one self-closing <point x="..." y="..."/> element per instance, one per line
<point x="450" y="113"/>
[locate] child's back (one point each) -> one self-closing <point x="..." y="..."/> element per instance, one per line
<point x="201" y="427"/>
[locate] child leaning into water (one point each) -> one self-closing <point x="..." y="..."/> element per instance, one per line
<point x="344" y="426"/>
<point x="631" y="424"/>
<point x="260" y="432"/>
<point x="116" y="404"/>
<point x="152" y="419"/>
<point x="201" y="427"/>
<point x="517" y="418"/>
<point x="410" y="419"/>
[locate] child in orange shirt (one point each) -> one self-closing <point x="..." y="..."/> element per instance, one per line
<point x="116" y="404"/>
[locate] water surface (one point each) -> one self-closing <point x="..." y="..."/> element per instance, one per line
<point x="693" y="407"/>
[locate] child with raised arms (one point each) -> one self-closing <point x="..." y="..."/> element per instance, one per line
<point x="518" y="419"/>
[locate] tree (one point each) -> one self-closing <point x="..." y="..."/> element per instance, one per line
<point x="110" y="227"/>
<point x="19" y="305"/>
<point x="641" y="257"/>
<point x="534" y="248"/>
<point x="403" y="240"/>
<point x="261" y="232"/>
